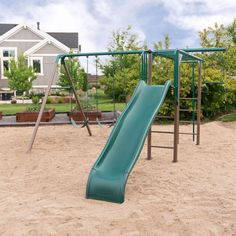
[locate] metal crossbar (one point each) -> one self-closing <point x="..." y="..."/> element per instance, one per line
<point x="187" y="98"/>
<point x="187" y="110"/>
<point x="162" y="132"/>
<point x="167" y="147"/>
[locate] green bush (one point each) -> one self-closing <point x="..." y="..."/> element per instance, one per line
<point x="49" y="100"/>
<point x="33" y="108"/>
<point x="35" y="99"/>
<point x="33" y="94"/>
<point x="60" y="100"/>
<point x="219" y="98"/>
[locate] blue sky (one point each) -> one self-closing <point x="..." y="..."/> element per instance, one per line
<point x="96" y="19"/>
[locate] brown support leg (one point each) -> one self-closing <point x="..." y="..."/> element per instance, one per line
<point x="176" y="104"/>
<point x="149" y="145"/>
<point x="41" y="110"/>
<point x="76" y="97"/>
<point x="176" y="132"/>
<point x="149" y="138"/>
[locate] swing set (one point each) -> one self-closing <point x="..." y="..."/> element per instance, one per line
<point x="177" y="56"/>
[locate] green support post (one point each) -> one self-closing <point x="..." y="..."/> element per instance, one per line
<point x="193" y="101"/>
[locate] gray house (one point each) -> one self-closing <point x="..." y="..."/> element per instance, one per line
<point x="40" y="49"/>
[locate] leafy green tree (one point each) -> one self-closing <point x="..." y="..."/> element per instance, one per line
<point x="219" y="91"/>
<point x="231" y="32"/>
<point x="121" y="72"/>
<point x="79" y="77"/>
<point x="20" y="76"/>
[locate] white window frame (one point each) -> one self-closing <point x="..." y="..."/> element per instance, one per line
<point x="6" y="58"/>
<point x="41" y="63"/>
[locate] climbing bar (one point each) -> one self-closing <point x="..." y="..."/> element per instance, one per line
<point x="167" y="147"/>
<point x="204" y="49"/>
<point x="162" y="132"/>
<point x="188" y="98"/>
<point x="187" y="110"/>
<point x="165" y="117"/>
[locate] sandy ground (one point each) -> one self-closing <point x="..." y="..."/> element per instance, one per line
<point x="42" y="193"/>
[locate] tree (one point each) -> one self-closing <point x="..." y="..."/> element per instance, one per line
<point x="219" y="69"/>
<point x="121" y="72"/>
<point x="231" y="31"/>
<point x="20" y="76"/>
<point x="79" y="77"/>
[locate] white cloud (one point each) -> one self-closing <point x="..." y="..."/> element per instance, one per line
<point x="198" y="14"/>
<point x="95" y="19"/>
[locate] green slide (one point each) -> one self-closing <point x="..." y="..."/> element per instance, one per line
<point x="110" y="172"/>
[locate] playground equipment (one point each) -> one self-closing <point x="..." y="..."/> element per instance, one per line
<point x="110" y="172"/>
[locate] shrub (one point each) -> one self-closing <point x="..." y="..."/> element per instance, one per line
<point x="35" y="99"/>
<point x="60" y="100"/>
<point x="33" y="108"/>
<point x="69" y="99"/>
<point x="49" y="100"/>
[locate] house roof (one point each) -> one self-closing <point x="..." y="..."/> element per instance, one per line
<point x="6" y="27"/>
<point x="44" y="42"/>
<point x="71" y="40"/>
<point x="47" y="38"/>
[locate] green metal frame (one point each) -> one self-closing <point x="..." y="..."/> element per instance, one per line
<point x="178" y="56"/>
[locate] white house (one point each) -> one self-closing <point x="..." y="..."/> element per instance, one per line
<point x="40" y="49"/>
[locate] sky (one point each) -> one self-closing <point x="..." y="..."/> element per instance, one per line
<point x="95" y="20"/>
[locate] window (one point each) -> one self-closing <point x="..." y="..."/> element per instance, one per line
<point x="6" y="54"/>
<point x="6" y="65"/>
<point x="37" y="64"/>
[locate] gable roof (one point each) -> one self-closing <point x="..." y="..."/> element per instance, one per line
<point x="6" y="27"/>
<point x="40" y="33"/>
<point x="43" y="43"/>
<point x="70" y="40"/>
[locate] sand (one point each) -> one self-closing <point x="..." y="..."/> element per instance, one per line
<point x="43" y="193"/>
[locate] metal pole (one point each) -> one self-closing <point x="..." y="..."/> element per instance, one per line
<point x="97" y="83"/>
<point x="199" y="98"/>
<point x="41" y="110"/>
<point x="176" y="104"/>
<point x="149" y="139"/>
<point x="193" y="101"/>
<point x="179" y="87"/>
<point x="76" y="96"/>
<point x="150" y="68"/>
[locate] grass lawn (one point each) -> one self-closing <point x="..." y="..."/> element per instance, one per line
<point x="105" y="103"/>
<point x="11" y="109"/>
<point x="228" y="118"/>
